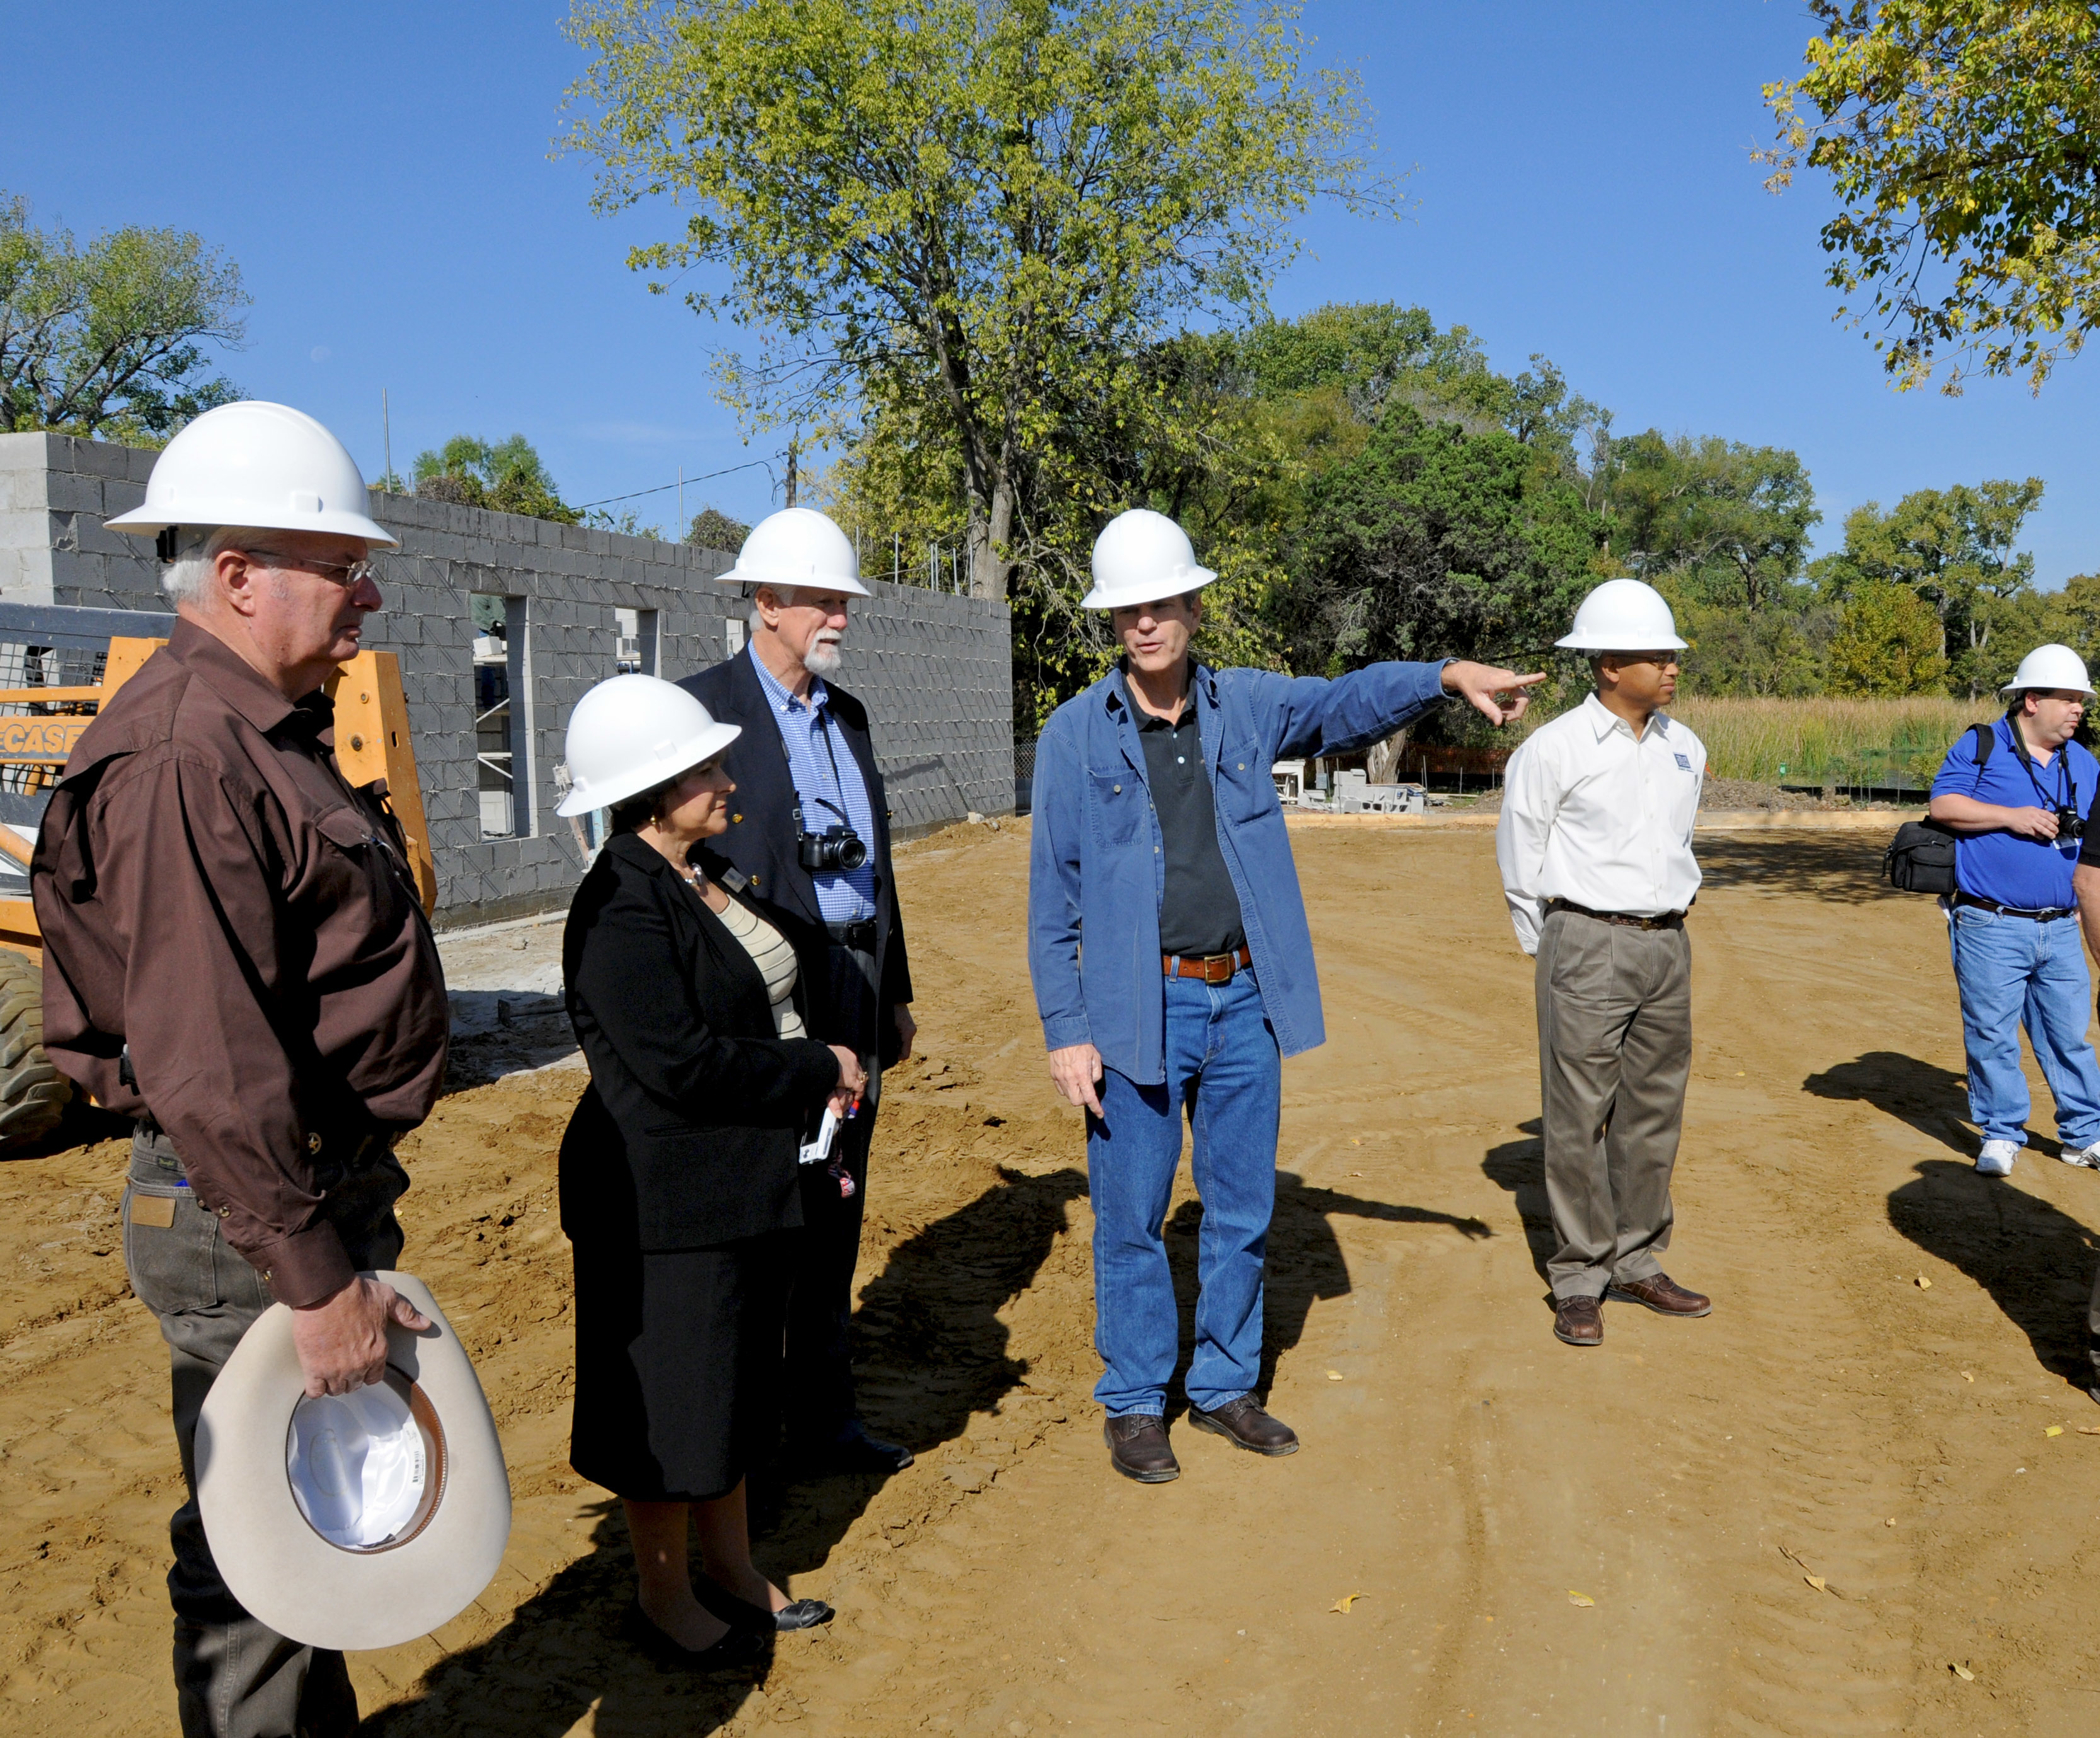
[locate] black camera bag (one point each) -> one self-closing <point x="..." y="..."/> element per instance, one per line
<point x="1920" y="859"/>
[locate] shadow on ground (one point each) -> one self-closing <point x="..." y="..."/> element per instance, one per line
<point x="930" y="1349"/>
<point x="1838" y="868"/>
<point x="1305" y="1263"/>
<point x="1933" y="1100"/>
<point x="1520" y="1167"/>
<point x="2035" y="1260"/>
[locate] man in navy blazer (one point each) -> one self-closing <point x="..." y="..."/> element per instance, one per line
<point x="809" y="828"/>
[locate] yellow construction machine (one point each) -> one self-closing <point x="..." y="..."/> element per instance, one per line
<point x="39" y="724"/>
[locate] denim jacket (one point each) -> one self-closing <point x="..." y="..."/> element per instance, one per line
<point x="1097" y="872"/>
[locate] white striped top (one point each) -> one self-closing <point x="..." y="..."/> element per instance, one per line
<point x="775" y="960"/>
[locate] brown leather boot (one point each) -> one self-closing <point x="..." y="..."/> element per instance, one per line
<point x="1138" y="1448"/>
<point x="1243" y="1423"/>
<point x="1661" y="1294"/>
<point x="1578" y="1321"/>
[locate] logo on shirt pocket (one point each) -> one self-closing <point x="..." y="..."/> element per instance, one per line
<point x="1684" y="760"/>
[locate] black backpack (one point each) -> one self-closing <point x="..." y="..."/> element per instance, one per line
<point x="1920" y="859"/>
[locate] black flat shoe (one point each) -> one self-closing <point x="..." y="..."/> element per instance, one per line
<point x="855" y="1451"/>
<point x="739" y="1650"/>
<point x="741" y="1613"/>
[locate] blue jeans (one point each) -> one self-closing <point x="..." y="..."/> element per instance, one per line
<point x="2012" y="972"/>
<point x="1223" y="1069"/>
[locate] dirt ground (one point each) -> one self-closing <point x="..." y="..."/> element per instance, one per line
<point x="1800" y="1515"/>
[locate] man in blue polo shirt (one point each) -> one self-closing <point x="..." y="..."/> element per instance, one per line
<point x="2017" y="793"/>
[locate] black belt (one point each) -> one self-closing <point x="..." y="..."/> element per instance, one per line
<point x="860" y="935"/>
<point x="2047" y="914"/>
<point x="1625" y="919"/>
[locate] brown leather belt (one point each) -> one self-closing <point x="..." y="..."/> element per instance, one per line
<point x="1625" y="919"/>
<point x="1213" y="969"/>
<point x="2047" y="915"/>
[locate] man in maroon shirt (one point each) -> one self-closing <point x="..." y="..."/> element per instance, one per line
<point x="237" y="957"/>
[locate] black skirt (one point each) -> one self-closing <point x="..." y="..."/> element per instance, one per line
<point x="678" y="1365"/>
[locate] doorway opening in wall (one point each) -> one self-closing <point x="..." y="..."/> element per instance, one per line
<point x="493" y="751"/>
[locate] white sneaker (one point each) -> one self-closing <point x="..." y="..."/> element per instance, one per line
<point x="1997" y="1158"/>
<point x="2088" y="1156"/>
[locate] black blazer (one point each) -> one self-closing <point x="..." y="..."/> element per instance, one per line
<point x="688" y="1134"/>
<point x="761" y="840"/>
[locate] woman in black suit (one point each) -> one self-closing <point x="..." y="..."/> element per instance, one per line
<point x="678" y="1171"/>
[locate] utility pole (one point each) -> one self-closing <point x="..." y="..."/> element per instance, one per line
<point x="386" y="423"/>
<point x="681" y="503"/>
<point x="896" y="557"/>
<point x="793" y="447"/>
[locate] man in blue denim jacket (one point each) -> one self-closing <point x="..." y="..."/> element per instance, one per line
<point x="1173" y="965"/>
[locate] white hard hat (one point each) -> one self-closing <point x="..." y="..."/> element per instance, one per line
<point x="1623" y="616"/>
<point x="2049" y="667"/>
<point x="1142" y="557"/>
<point x="798" y="546"/>
<point x="361" y="1521"/>
<point x="631" y="733"/>
<point x="255" y="463"/>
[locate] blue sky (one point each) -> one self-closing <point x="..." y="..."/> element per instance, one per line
<point x="1583" y="187"/>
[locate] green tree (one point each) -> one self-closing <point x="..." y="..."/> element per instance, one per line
<point x="1954" y="548"/>
<point x="1436" y="542"/>
<point x="713" y="529"/>
<point x="107" y="340"/>
<point x="1728" y="521"/>
<point x="1959" y="134"/>
<point x="509" y="477"/>
<point x="974" y="219"/>
<point x="1890" y="644"/>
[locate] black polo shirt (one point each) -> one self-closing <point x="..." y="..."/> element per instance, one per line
<point x="1199" y="909"/>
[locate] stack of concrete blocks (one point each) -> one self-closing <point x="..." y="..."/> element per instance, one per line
<point x="1355" y="794"/>
<point x="935" y="671"/>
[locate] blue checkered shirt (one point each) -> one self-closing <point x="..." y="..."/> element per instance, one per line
<point x="821" y="763"/>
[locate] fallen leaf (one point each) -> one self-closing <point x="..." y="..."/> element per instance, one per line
<point x="1967" y="1377"/>
<point x="1579" y="1599"/>
<point x="2054" y="1430"/>
<point x="1344" y="1603"/>
<point x="1923" y="1283"/>
<point x="1817" y="1582"/>
<point x="1889" y="1522"/>
<point x="2088" y="1430"/>
<point x="1739" y="1073"/>
<point x="1334" y="1375"/>
<point x="1963" y="1673"/>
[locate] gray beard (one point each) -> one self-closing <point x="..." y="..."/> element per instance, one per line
<point x="822" y="659"/>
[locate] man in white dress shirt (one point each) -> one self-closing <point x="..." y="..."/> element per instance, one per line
<point x="1594" y="845"/>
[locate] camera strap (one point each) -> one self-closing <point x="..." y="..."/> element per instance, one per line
<point x="821" y="718"/>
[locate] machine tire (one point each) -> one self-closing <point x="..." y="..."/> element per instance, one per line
<point x="33" y="1094"/>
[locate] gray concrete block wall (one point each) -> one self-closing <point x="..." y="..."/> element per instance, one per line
<point x="935" y="671"/>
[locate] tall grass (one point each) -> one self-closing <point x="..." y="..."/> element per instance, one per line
<point x="1824" y="740"/>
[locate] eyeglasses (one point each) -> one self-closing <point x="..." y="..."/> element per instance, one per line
<point x="348" y="575"/>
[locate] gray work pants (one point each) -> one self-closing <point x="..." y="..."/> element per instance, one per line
<point x="1614" y="1051"/>
<point x="234" y="1678"/>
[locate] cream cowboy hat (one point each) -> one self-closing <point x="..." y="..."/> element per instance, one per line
<point x="356" y="1520"/>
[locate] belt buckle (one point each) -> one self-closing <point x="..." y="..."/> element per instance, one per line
<point x="1218" y="969"/>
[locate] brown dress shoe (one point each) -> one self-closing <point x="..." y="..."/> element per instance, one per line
<point x="1138" y="1448"/>
<point x="1662" y="1294"/>
<point x="1243" y="1423"/>
<point x="1578" y="1321"/>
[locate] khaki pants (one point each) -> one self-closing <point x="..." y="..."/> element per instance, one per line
<point x="1614" y="1050"/>
<point x="235" y="1676"/>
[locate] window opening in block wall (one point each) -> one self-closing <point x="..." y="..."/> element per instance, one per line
<point x="636" y="634"/>
<point x="502" y="721"/>
<point x="734" y="634"/>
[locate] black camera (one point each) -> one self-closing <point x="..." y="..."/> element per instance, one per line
<point x="2070" y="824"/>
<point x="837" y="849"/>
